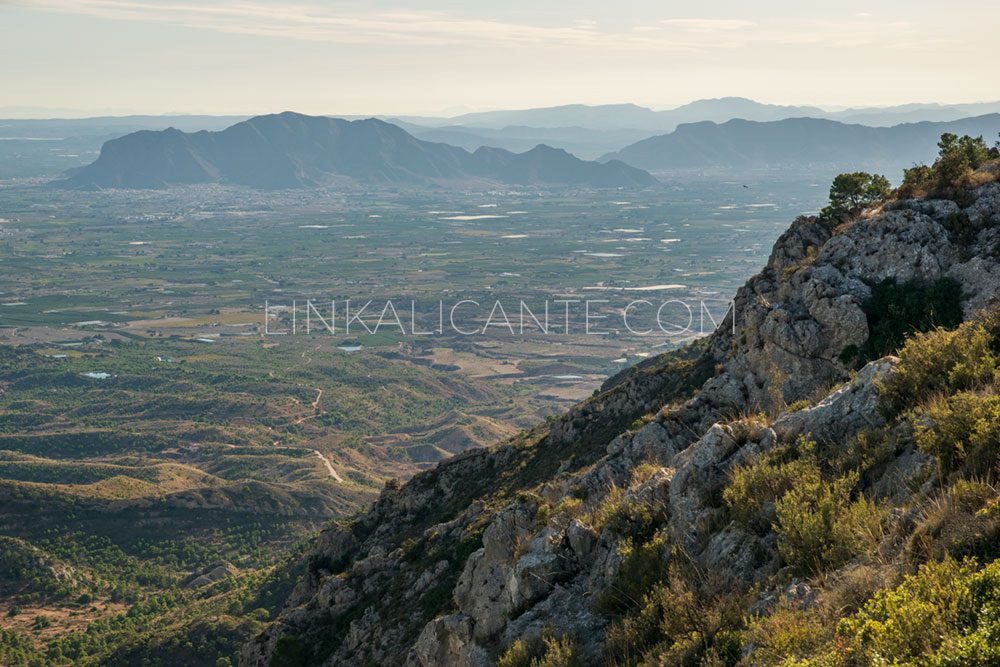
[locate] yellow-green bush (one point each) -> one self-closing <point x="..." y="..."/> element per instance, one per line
<point x="943" y="361"/>
<point x="945" y="615"/>
<point x="954" y="169"/>
<point x="788" y="634"/>
<point x="544" y="650"/>
<point x="867" y="452"/>
<point x="629" y="518"/>
<point x="765" y="480"/>
<point x="819" y="527"/>
<point x="917" y="182"/>
<point x="961" y="431"/>
<point x="946" y="384"/>
<point x="568" y="509"/>
<point x="677" y="624"/>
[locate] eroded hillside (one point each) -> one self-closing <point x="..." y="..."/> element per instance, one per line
<point x="718" y="510"/>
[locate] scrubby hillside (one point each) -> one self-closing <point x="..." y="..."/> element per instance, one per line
<point x="789" y="494"/>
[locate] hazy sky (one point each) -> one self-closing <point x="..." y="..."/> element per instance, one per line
<point x="392" y="56"/>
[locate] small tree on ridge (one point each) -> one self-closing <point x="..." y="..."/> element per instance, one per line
<point x="852" y="194"/>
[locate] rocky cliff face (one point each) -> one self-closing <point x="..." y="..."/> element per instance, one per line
<point x="501" y="544"/>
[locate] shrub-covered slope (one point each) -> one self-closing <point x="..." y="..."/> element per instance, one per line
<point x="788" y="495"/>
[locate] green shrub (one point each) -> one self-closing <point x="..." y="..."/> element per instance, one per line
<point x="641" y="474"/>
<point x="411" y="550"/>
<point x="867" y="452"/>
<point x="543" y="514"/>
<point x="946" y="614"/>
<point x="960" y="230"/>
<point x="677" y="624"/>
<point x="559" y="653"/>
<point x="961" y="431"/>
<point x="763" y="481"/>
<point x="958" y="157"/>
<point x="631" y="519"/>
<point x="962" y="521"/>
<point x="946" y="384"/>
<point x="642" y="568"/>
<point x="820" y="528"/>
<point x="544" y="650"/>
<point x="954" y="168"/>
<point x="970" y="495"/>
<point x="942" y="361"/>
<point x="788" y="634"/>
<point x="568" y="509"/>
<point x="917" y="182"/>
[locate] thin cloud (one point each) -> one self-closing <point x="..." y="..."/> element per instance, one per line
<point x="312" y="23"/>
<point x="922" y="44"/>
<point x="319" y="23"/>
<point x="709" y="25"/>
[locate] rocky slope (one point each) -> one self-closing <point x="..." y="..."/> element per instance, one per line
<point x="539" y="535"/>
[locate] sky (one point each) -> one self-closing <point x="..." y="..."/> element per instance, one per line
<point x="448" y="56"/>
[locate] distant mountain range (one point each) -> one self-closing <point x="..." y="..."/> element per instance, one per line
<point x="591" y="131"/>
<point x="798" y="143"/>
<point x="619" y="116"/>
<point x="291" y="150"/>
<point x="39" y="147"/>
<point x="631" y="116"/>
<point x="580" y="141"/>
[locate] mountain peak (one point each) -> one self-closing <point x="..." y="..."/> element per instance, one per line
<point x="292" y="150"/>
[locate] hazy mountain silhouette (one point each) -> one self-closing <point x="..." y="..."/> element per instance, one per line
<point x="583" y="142"/>
<point x="914" y="113"/>
<point x="290" y="150"/>
<point x="797" y="143"/>
<point x="621" y="116"/>
<point x="616" y="117"/>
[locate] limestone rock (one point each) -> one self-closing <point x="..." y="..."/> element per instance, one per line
<point x="482" y="592"/>
<point x="581" y="539"/>
<point x="844" y="412"/>
<point x="448" y="641"/>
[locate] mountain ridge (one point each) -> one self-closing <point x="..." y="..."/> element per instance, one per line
<point x="290" y="150"/>
<point x="796" y="142"/>
<point x="720" y="109"/>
